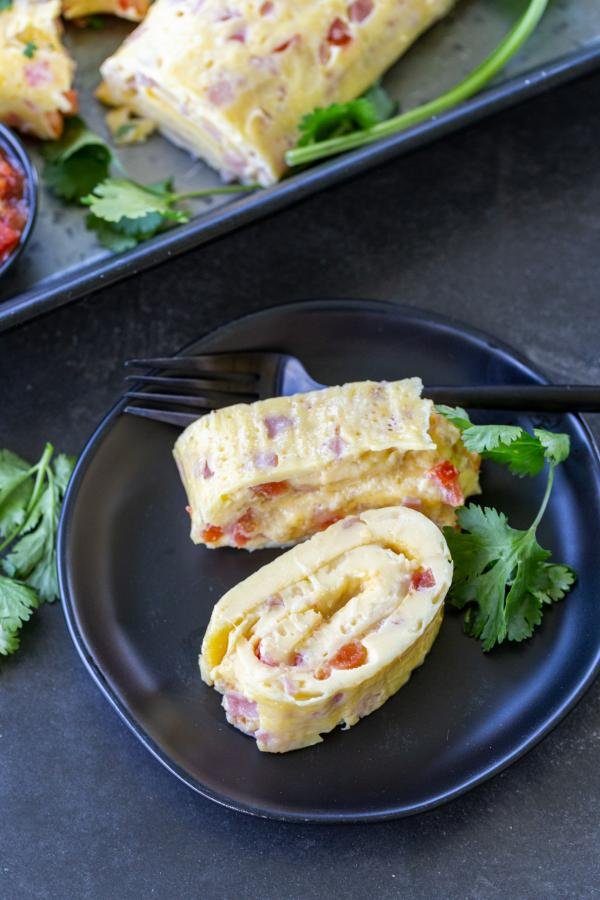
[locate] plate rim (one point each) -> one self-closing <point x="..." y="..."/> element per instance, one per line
<point x="274" y="813"/>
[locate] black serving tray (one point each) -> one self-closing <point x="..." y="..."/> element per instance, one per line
<point x="63" y="261"/>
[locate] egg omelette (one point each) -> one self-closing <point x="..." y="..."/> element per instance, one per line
<point x="272" y="473"/>
<point x="230" y="81"/>
<point x="36" y="73"/>
<point x="328" y="631"/>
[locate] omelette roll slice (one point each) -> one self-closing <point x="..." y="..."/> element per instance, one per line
<point x="231" y="81"/>
<point x="134" y="10"/>
<point x="274" y="472"/>
<point x="324" y="634"/>
<point x="36" y="72"/>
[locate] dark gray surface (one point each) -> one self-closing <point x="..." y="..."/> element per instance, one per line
<point x="498" y="226"/>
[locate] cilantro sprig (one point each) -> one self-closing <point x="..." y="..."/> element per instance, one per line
<point x="122" y="212"/>
<point x="30" y="501"/>
<point x="345" y="118"/>
<point x="340" y="143"/>
<point x="77" y="162"/>
<point x="503" y="578"/>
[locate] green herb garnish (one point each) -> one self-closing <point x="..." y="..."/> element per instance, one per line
<point x="123" y="213"/>
<point x="29" y="49"/>
<point x="30" y="501"/>
<point x="502" y="575"/>
<point x="345" y="118"/>
<point x="77" y="162"/>
<point x="472" y="84"/>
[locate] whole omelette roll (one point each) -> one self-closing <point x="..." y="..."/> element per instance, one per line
<point x="36" y="72"/>
<point x="230" y="81"/>
<point x="274" y="472"/>
<point x="324" y="634"/>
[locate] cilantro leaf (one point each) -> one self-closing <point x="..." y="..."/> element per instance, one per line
<point x="109" y="235"/>
<point x="344" y="118"/>
<point x="17" y="601"/>
<point x="523" y="453"/>
<point x="15" y="490"/>
<point x="29" y="49"/>
<point x="455" y="414"/>
<point x="556" y="446"/>
<point x="115" y="199"/>
<point x="520" y="451"/>
<point x="502" y="575"/>
<point x="478" y="438"/>
<point x="77" y="162"/>
<point x="30" y="501"/>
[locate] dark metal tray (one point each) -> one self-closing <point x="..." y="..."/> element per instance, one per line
<point x="63" y="261"/>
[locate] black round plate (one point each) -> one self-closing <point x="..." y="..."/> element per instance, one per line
<point x="138" y="594"/>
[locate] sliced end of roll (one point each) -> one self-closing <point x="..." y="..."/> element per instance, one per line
<point x="323" y="635"/>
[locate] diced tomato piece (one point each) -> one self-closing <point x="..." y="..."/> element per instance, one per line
<point x="9" y="238"/>
<point x="241" y="531"/>
<point x="73" y="99"/>
<point x="421" y="579"/>
<point x="447" y="476"/>
<point x="350" y="656"/>
<point x="339" y="33"/>
<point x="211" y="534"/>
<point x="279" y="49"/>
<point x="270" y="488"/>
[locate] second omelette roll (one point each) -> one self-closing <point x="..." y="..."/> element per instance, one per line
<point x="274" y="472"/>
<point x="324" y="634"/>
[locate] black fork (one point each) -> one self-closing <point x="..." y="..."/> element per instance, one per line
<point x="213" y="380"/>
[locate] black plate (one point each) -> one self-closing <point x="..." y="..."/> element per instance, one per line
<point x="138" y="595"/>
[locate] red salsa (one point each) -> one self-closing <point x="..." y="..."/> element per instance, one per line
<point x="13" y="206"/>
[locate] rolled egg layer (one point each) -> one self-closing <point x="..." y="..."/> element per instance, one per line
<point x="324" y="634"/>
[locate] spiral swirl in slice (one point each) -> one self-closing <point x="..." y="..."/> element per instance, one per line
<point x="324" y="634"/>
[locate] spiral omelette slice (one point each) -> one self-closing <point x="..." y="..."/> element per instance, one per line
<point x="274" y="472"/>
<point x="325" y="633"/>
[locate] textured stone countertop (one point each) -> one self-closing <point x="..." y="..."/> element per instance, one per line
<point x="499" y="226"/>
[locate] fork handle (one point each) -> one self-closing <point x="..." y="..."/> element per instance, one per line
<point x="531" y="397"/>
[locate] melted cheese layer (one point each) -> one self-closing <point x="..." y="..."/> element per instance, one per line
<point x="231" y="81"/>
<point x="274" y="472"/>
<point x="324" y="634"/>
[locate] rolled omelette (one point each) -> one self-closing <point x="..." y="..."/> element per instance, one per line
<point x="230" y="81"/>
<point x="325" y="633"/>
<point x="271" y="473"/>
<point x="134" y="10"/>
<point x="36" y="72"/>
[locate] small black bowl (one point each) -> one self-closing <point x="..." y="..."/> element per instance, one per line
<point x="17" y="153"/>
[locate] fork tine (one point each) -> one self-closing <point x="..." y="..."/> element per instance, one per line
<point x="180" y="419"/>
<point x="224" y="364"/>
<point x="195" y="401"/>
<point x="195" y="384"/>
